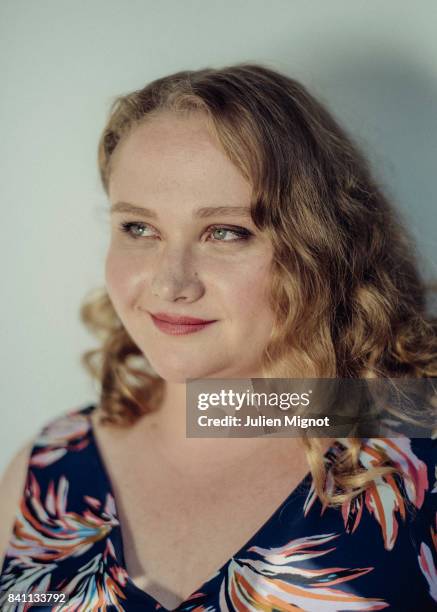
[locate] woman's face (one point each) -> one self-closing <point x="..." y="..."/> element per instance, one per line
<point x="181" y="257"/>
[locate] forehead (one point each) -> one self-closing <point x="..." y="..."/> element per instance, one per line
<point x="170" y="154"/>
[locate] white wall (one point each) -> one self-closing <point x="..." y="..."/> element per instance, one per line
<point x="61" y="63"/>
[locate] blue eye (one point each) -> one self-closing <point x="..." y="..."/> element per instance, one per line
<point x="241" y="233"/>
<point x="128" y="227"/>
<point x="134" y="230"/>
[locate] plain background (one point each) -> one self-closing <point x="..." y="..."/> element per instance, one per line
<point x="62" y="63"/>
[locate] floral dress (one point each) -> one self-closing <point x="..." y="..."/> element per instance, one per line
<point x="377" y="552"/>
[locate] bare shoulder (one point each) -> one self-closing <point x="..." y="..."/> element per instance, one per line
<point x="11" y="489"/>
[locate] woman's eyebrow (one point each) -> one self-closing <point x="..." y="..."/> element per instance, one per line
<point x="204" y="211"/>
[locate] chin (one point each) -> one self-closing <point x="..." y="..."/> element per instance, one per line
<point x="177" y="374"/>
<point x="177" y="366"/>
<point x="177" y="378"/>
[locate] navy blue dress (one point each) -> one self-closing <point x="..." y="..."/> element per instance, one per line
<point x="377" y="552"/>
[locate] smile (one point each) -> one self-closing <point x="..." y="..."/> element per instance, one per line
<point x="179" y="329"/>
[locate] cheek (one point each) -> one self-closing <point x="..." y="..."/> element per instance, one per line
<point x="122" y="277"/>
<point x="246" y="291"/>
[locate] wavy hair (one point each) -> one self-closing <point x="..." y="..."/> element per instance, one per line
<point x="347" y="296"/>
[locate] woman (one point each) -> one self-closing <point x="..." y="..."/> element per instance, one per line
<point x="248" y="240"/>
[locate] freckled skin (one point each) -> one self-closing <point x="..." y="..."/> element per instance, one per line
<point x="173" y="165"/>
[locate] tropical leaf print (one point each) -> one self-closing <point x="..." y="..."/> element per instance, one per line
<point x="273" y="579"/>
<point x="189" y="607"/>
<point x="47" y="533"/>
<point x="434" y="489"/>
<point x="45" y="530"/>
<point x="386" y="496"/>
<point x="428" y="568"/>
<point x="97" y="585"/>
<point x="67" y="433"/>
<point x="426" y="560"/>
<point x="24" y="576"/>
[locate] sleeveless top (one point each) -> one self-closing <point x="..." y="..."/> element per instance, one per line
<point x="376" y="552"/>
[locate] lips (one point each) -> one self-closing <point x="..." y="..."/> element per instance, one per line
<point x="179" y="325"/>
<point x="183" y="320"/>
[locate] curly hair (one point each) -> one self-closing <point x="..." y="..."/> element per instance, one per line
<point x="346" y="293"/>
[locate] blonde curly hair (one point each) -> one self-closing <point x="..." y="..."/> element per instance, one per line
<point x="345" y="288"/>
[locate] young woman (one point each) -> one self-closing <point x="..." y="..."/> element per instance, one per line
<point x="248" y="240"/>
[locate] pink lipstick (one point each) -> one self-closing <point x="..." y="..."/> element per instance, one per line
<point x="175" y="325"/>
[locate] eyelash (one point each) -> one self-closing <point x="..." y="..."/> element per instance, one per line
<point x="243" y="234"/>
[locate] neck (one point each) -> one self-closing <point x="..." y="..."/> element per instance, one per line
<point x="171" y="415"/>
<point x="167" y="427"/>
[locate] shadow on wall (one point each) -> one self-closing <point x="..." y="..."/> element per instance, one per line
<point x="388" y="105"/>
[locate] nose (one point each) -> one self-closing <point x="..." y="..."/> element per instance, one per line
<point x="175" y="278"/>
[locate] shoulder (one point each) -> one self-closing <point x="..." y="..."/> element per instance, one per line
<point x="406" y="497"/>
<point x="413" y="457"/>
<point x="68" y="430"/>
<point x="415" y="460"/>
<point x="11" y="488"/>
<point x="425" y="453"/>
